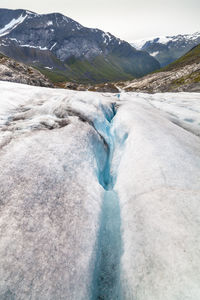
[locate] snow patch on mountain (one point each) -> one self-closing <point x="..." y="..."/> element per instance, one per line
<point x="35" y="47"/>
<point x="154" y="53"/>
<point x="12" y="25"/>
<point x="49" y="23"/>
<point x="107" y="37"/>
<point x="139" y="44"/>
<point x="53" y="46"/>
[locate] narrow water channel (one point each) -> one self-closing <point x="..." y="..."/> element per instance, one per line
<point x="106" y="279"/>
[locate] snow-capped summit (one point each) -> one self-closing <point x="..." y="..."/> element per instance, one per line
<point x="166" y="49"/>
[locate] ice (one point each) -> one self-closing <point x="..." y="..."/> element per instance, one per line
<point x="183" y="109"/>
<point x="99" y="195"/>
<point x="51" y="199"/>
<point x="158" y="187"/>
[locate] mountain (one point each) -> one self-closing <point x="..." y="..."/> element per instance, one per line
<point x="13" y="71"/>
<point x="191" y="58"/>
<point x="65" y="50"/>
<point x="168" y="49"/>
<point x="183" y="75"/>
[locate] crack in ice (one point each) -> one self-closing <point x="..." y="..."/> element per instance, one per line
<point x="106" y="279"/>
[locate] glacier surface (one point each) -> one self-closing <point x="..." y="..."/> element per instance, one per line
<point x="99" y="195"/>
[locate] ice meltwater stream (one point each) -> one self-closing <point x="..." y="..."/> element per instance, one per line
<point x="106" y="279"/>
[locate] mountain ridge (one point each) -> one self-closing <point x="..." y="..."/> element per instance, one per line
<point x="72" y="44"/>
<point x="183" y="75"/>
<point x="167" y="49"/>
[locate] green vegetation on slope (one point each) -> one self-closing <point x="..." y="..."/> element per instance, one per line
<point x="192" y="78"/>
<point x="55" y="76"/>
<point x="98" y="70"/>
<point x="191" y="57"/>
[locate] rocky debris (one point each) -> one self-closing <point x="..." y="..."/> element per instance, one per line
<point x="13" y="71"/>
<point x="74" y="86"/>
<point x="105" y="88"/>
<point x="101" y="88"/>
<point x="185" y="79"/>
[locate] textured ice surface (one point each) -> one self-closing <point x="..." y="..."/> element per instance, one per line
<point x="158" y="185"/>
<point x="99" y="196"/>
<point x="50" y="195"/>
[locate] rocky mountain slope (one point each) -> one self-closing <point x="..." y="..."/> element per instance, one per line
<point x="13" y="71"/>
<point x="168" y="49"/>
<point x="64" y="49"/>
<point x="181" y="75"/>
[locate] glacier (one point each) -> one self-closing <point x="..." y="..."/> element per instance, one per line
<point x="99" y="195"/>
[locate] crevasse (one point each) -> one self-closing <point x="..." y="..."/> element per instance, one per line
<point x="106" y="277"/>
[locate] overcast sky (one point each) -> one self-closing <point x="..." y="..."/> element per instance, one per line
<point x="126" y="19"/>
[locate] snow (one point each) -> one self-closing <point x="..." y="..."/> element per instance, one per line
<point x="36" y="47"/>
<point x="13" y="39"/>
<point x="53" y="46"/>
<point x="164" y="39"/>
<point x="107" y="37"/>
<point x="32" y="14"/>
<point x="154" y="53"/>
<point x="78" y="26"/>
<point x="138" y="44"/>
<point x="65" y="19"/>
<point x="49" y="23"/>
<point x="104" y="190"/>
<point x="12" y="25"/>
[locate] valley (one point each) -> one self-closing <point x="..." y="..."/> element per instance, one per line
<point x="99" y="156"/>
